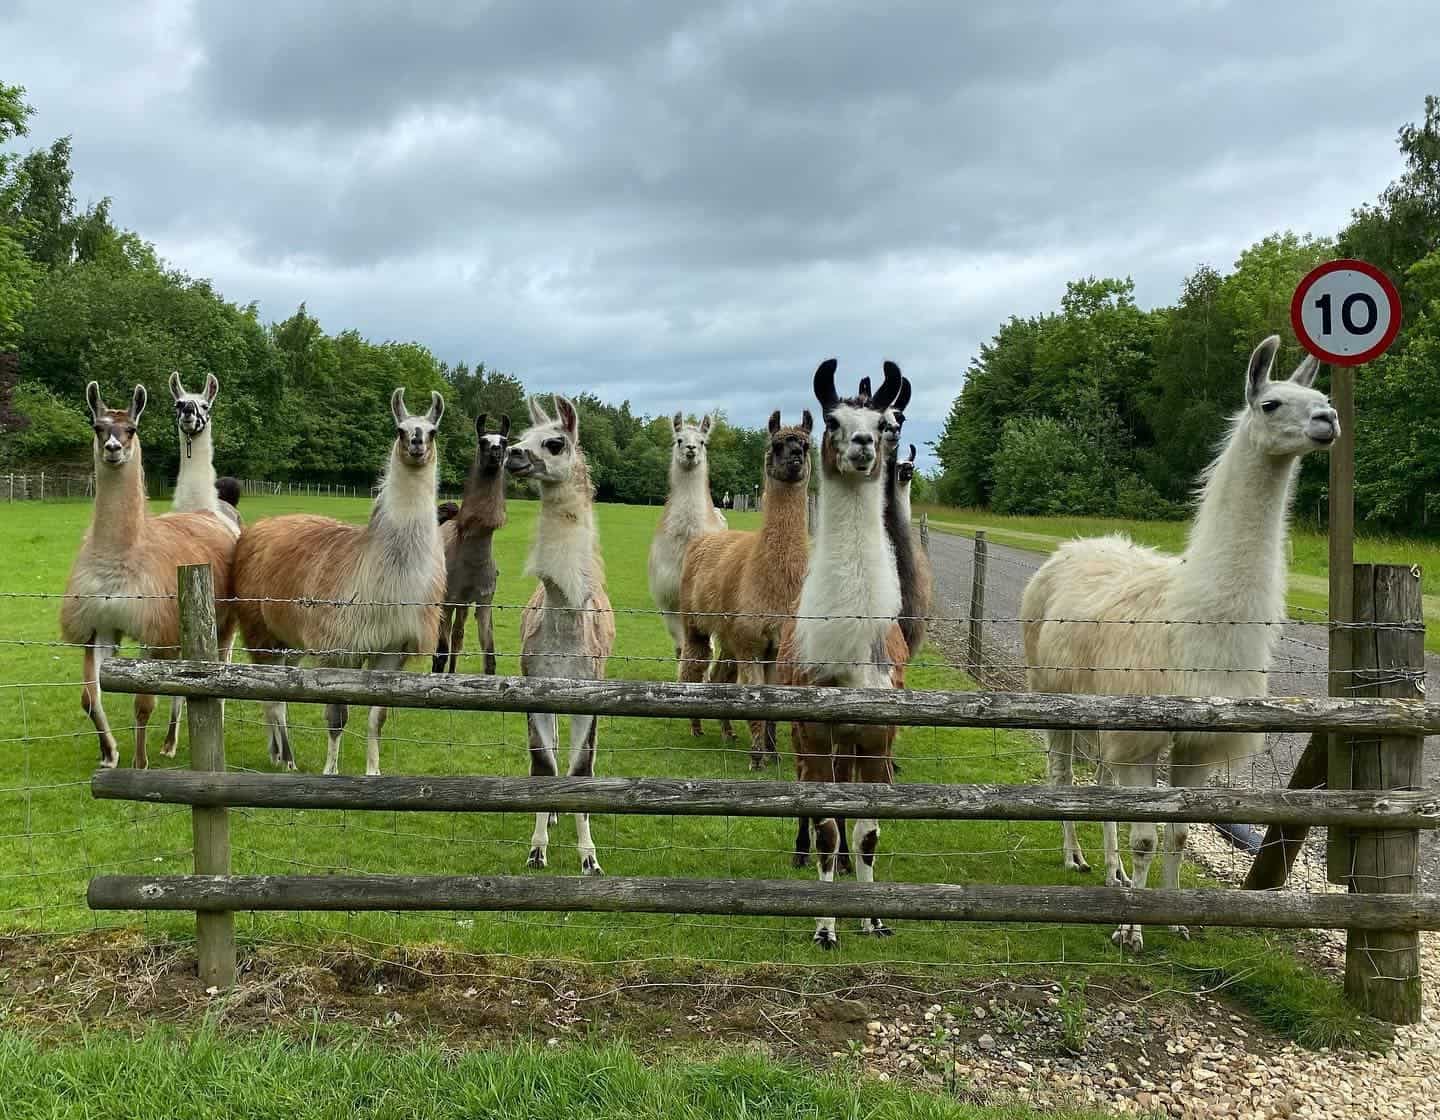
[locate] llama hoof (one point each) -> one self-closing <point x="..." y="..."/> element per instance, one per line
<point x="1077" y="862"/>
<point x="826" y="939"/>
<point x="800" y="859"/>
<point x="590" y="866"/>
<point x="874" y="927"/>
<point x="1129" y="938"/>
<point x="536" y="859"/>
<point x="756" y="762"/>
<point x="109" y="761"/>
<point x="1118" y="878"/>
<point x="844" y="866"/>
<point x="331" y="768"/>
<point x="696" y="730"/>
<point x="290" y="765"/>
<point x="727" y="733"/>
<point x="1182" y="932"/>
<point x="168" y="750"/>
<point x="369" y="773"/>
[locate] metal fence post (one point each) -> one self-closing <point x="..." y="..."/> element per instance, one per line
<point x="974" y="647"/>
<point x="214" y="929"/>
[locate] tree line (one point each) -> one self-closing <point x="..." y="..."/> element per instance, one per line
<point x="1105" y="408"/>
<point x="82" y="299"/>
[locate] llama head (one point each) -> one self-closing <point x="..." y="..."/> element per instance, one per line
<point x="787" y="455"/>
<point x="1285" y="419"/>
<point x="854" y="428"/>
<point x="893" y="419"/>
<point x="115" y="438"/>
<point x="689" y="450"/>
<point x="192" y="410"/>
<point x="415" y="435"/>
<point x="490" y="447"/>
<point x="905" y="470"/>
<point x="549" y="450"/>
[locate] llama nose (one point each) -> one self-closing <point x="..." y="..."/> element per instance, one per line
<point x="864" y="439"/>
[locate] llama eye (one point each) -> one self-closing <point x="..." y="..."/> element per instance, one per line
<point x="1269" y="406"/>
<point x="554" y="446"/>
<point x="831" y="424"/>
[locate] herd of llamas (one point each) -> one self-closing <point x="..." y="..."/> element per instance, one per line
<point x="843" y="605"/>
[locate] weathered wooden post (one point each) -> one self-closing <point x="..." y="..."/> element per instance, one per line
<point x="975" y="645"/>
<point x="1382" y="967"/>
<point x="42" y="486"/>
<point x="812" y="503"/>
<point x="214" y="929"/>
<point x="925" y="533"/>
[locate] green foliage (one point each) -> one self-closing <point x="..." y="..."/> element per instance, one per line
<point x="49" y="428"/>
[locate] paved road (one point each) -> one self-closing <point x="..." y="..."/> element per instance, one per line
<point x="1300" y="667"/>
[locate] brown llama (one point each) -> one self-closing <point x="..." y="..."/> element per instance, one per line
<point x="739" y="587"/>
<point x="470" y="570"/>
<point x="567" y="629"/>
<point x="845" y="631"/>
<point x="123" y="581"/>
<point x="349" y="594"/>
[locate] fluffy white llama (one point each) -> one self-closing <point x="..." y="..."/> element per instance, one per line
<point x="1204" y="623"/>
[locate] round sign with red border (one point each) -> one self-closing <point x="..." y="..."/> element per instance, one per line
<point x="1346" y="312"/>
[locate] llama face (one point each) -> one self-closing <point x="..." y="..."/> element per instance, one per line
<point x="491" y="447"/>
<point x="415" y="435"/>
<point x="192" y="410"/>
<point x="854" y="441"/>
<point x="787" y="456"/>
<point x="115" y="428"/>
<point x="690" y="449"/>
<point x="905" y="469"/>
<point x="1287" y="418"/>
<point x="548" y="450"/>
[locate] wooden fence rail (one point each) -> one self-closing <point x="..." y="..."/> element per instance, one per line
<point x="778" y="703"/>
<point x="740" y="798"/>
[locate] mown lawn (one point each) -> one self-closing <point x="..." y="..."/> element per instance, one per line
<point x="54" y="837"/>
<point x="1309" y="567"/>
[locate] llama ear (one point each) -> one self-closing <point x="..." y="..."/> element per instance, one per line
<point x="774" y="424"/>
<point x="1305" y="372"/>
<point x="437" y="408"/>
<point x="397" y="406"/>
<point x="807" y="421"/>
<point x="480" y="426"/>
<point x="677" y="421"/>
<point x="904" y="398"/>
<point x="504" y="425"/>
<point x="568" y="417"/>
<point x="92" y="398"/>
<point x="1261" y="361"/>
<point x="537" y="414"/>
<point x="177" y="390"/>
<point x="824" y="385"/>
<point x="889" y="389"/>
<point x="865" y="391"/>
<point x="212" y="388"/>
<point x="705" y="425"/>
<point x="912" y="453"/>
<point x="137" y="403"/>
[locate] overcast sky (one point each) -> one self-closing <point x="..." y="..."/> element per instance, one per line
<point x="691" y="205"/>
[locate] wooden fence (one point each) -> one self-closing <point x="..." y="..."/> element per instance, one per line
<point x="1382" y="921"/>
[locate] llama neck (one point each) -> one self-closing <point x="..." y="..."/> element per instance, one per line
<point x="406" y="502"/>
<point x="688" y="503"/>
<point x="563" y="555"/>
<point x="119" y="502"/>
<point x="1234" y="562"/>
<point x="897" y="531"/>
<point x="851" y="573"/>
<point x="484" y="505"/>
<point x="786" y="515"/>
<point x="195" y="487"/>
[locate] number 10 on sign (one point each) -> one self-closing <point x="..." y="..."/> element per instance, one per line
<point x="1346" y="312"/>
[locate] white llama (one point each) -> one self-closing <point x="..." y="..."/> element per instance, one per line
<point x="1204" y="623"/>
<point x="567" y="628"/>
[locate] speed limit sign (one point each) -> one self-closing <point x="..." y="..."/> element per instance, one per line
<point x="1346" y="312"/>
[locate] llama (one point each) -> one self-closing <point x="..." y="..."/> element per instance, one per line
<point x="349" y="594"/>
<point x="197" y="488"/>
<point x="1225" y="595"/>
<point x="470" y="571"/>
<point x="123" y="581"/>
<point x="689" y="513"/>
<point x="738" y="588"/>
<point x="567" y="627"/>
<point x="845" y="632"/>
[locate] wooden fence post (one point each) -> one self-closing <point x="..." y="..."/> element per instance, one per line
<point x="925" y="533"/>
<point x="812" y="504"/>
<point x="214" y="930"/>
<point x="974" y="646"/>
<point x="1387" y="659"/>
<point x="42" y="486"/>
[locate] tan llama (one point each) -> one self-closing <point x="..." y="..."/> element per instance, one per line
<point x="123" y="582"/>
<point x="740" y="587"/>
<point x="349" y="594"/>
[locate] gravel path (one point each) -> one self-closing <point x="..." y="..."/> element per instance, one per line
<point x="1300" y="670"/>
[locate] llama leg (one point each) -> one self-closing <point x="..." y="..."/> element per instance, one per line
<point x="274" y="712"/>
<point x="583" y="730"/>
<point x="1186" y="772"/>
<point x="842" y="769"/>
<point x="694" y="659"/>
<point x="772" y="752"/>
<point x="172" y="730"/>
<point x="827" y="845"/>
<point x="805" y="771"/>
<point x="391" y="662"/>
<point x="144" y="707"/>
<point x="722" y="671"/>
<point x="335" y="718"/>
<point x="442" y="642"/>
<point x="544" y="730"/>
<point x="1136" y="775"/>
<point x="457" y="636"/>
<point x="1062" y="773"/>
<point x="485" y="624"/>
<point x="753" y="674"/>
<point x="864" y="840"/>
<point x="100" y="649"/>
<point x="1115" y="875"/>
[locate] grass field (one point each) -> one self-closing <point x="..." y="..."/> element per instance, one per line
<point x="1309" y="568"/>
<point x="54" y="837"/>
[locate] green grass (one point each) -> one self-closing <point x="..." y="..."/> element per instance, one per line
<point x="54" y="837"/>
<point x="1309" y="568"/>
<point x="160" y="1075"/>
